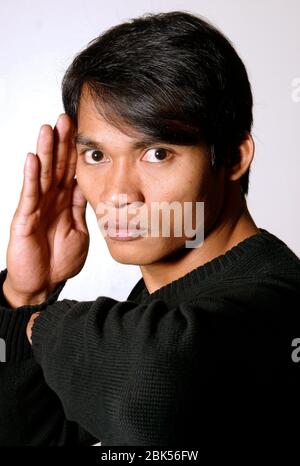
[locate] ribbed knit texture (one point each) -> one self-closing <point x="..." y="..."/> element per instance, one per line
<point x="168" y="368"/>
<point x="13" y="324"/>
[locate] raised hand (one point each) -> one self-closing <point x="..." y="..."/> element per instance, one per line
<point x="49" y="238"/>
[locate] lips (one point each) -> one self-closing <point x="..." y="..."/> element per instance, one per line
<point x="120" y="227"/>
<point x="123" y="233"/>
<point x="117" y="230"/>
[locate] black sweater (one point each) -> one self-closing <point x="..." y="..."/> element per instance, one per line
<point x="201" y="358"/>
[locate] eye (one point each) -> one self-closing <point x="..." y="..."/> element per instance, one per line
<point x="92" y="156"/>
<point x="158" y="154"/>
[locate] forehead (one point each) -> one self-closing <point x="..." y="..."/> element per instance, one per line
<point x="92" y="116"/>
<point x="86" y="105"/>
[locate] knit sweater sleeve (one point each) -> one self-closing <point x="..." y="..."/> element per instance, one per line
<point x="144" y="374"/>
<point x="30" y="412"/>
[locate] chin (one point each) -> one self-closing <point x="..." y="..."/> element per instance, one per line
<point x="129" y="252"/>
<point x="141" y="251"/>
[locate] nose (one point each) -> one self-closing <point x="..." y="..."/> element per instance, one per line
<point x="122" y="185"/>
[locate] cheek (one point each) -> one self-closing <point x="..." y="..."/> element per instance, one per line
<point x="187" y="189"/>
<point x="167" y="189"/>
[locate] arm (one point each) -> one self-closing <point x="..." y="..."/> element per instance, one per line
<point x="48" y="244"/>
<point x="118" y="367"/>
<point x="30" y="412"/>
<point x="150" y="374"/>
<point x="146" y="374"/>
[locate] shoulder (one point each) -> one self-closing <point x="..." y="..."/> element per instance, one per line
<point x="273" y="255"/>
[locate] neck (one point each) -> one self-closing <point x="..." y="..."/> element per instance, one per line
<point x="233" y="225"/>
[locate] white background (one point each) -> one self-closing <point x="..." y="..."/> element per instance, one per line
<point x="38" y="41"/>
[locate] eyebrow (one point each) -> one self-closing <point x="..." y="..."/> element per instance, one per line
<point x="136" y="144"/>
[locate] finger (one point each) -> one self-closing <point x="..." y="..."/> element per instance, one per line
<point x="62" y="134"/>
<point x="30" y="325"/>
<point x="79" y="204"/>
<point x="44" y="151"/>
<point x="67" y="181"/>
<point x="29" y="197"/>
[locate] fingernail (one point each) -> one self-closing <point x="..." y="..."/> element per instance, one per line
<point x="43" y="129"/>
<point x="27" y="161"/>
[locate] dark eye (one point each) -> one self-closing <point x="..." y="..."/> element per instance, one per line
<point x="93" y="156"/>
<point x="156" y="154"/>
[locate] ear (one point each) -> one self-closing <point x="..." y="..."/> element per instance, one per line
<point x="244" y="159"/>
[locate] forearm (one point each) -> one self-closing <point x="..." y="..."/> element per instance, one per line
<point x="144" y="374"/>
<point x="115" y="367"/>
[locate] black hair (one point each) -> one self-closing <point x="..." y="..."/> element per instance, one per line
<point x="174" y="77"/>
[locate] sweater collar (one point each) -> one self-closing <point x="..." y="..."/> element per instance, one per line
<point x="190" y="282"/>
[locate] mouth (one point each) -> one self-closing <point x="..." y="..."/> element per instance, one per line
<point x="123" y="233"/>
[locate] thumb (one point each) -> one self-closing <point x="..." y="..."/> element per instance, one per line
<point x="78" y="208"/>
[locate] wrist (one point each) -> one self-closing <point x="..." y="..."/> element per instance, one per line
<point x="17" y="299"/>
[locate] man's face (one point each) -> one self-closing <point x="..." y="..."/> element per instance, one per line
<point x="151" y="174"/>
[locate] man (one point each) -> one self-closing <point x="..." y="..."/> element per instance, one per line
<point x="160" y="110"/>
